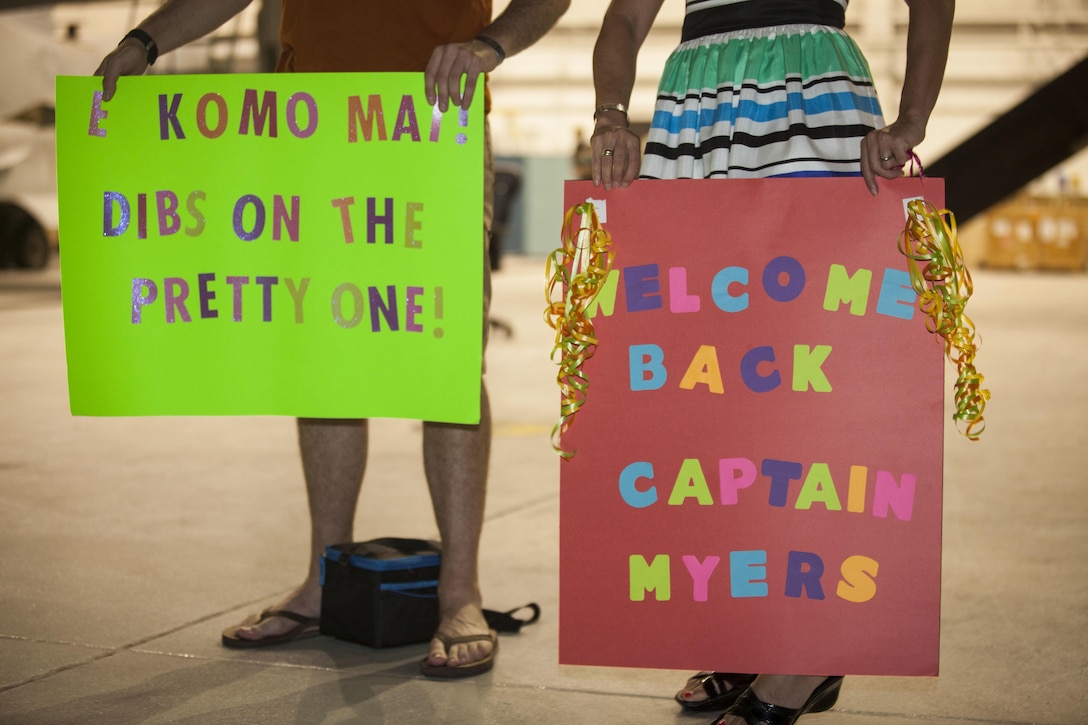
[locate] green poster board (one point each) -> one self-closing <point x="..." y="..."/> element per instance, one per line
<point x="289" y="244"/>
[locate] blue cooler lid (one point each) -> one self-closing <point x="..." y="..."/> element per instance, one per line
<point x="389" y="554"/>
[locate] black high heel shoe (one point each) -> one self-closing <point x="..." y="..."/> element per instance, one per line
<point x="722" y="690"/>
<point x="756" y="712"/>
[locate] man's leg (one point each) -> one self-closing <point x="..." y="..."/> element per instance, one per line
<point x="333" y="462"/>
<point x="455" y="458"/>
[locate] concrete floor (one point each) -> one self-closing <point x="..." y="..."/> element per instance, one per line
<point x="128" y="544"/>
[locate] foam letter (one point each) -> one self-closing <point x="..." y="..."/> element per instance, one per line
<point x="719" y="289"/>
<point x="818" y="488"/>
<point x="888" y="495"/>
<point x="605" y="299"/>
<point x="842" y="287"/>
<point x="690" y="483"/>
<point x="646" y="368"/>
<point x="855" y="500"/>
<point x="679" y="299"/>
<point x="780" y="473"/>
<point x="704" y="369"/>
<point x="806" y="368"/>
<point x="629" y="492"/>
<point x="733" y="475"/>
<point x="748" y="574"/>
<point x="749" y="370"/>
<point x="643" y="289"/>
<point x="803" y="572"/>
<point x="700" y="573"/>
<point x="897" y="296"/>
<point x="795" y="279"/>
<point x="650" y="577"/>
<point x="858" y="574"/>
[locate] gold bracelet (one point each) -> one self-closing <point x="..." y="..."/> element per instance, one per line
<point x="605" y="107"/>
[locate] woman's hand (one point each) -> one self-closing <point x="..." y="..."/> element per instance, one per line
<point x="616" y="157"/>
<point x="886" y="151"/>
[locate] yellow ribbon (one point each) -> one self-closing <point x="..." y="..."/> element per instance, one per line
<point x="943" y="284"/>
<point x="576" y="272"/>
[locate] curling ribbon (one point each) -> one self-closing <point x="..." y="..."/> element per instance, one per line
<point x="943" y="284"/>
<point x="576" y="272"/>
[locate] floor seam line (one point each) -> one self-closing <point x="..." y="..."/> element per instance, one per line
<point x="106" y="651"/>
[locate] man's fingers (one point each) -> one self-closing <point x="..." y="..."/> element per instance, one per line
<point x="436" y="78"/>
<point x="430" y="76"/>
<point x="470" y="89"/>
<point x="109" y="79"/>
<point x="448" y="64"/>
<point x="457" y="61"/>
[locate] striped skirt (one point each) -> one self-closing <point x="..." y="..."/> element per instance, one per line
<point x="790" y="100"/>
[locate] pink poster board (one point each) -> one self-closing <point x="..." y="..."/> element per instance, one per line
<point x="757" y="483"/>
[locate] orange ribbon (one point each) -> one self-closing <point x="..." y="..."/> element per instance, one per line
<point x="943" y="284"/>
<point x="576" y="272"/>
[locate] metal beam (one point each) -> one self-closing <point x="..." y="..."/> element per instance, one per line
<point x="1033" y="137"/>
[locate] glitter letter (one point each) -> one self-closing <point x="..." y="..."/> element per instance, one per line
<point x="141" y="299"/>
<point x="169" y="118"/>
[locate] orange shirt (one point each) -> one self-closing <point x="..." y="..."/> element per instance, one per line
<point x="373" y="35"/>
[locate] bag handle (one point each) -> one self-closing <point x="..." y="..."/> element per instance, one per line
<point x="405" y="547"/>
<point x="507" y="622"/>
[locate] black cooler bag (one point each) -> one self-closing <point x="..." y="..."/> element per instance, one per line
<point x="381" y="593"/>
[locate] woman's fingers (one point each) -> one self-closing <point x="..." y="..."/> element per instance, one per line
<point x="615" y="156"/>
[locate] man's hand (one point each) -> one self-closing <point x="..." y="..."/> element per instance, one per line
<point x="449" y="63"/>
<point x="127" y="59"/>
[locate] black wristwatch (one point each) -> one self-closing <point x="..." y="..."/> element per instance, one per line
<point x="147" y="41"/>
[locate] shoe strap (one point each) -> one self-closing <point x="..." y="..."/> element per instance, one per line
<point x="507" y="622"/>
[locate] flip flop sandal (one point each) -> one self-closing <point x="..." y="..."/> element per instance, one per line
<point x="305" y="627"/>
<point x="722" y="690"/>
<point x="472" y="668"/>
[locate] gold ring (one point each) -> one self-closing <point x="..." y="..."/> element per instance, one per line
<point x="606" y="152"/>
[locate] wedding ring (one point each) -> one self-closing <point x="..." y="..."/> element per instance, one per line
<point x="885" y="158"/>
<point x="606" y="152"/>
